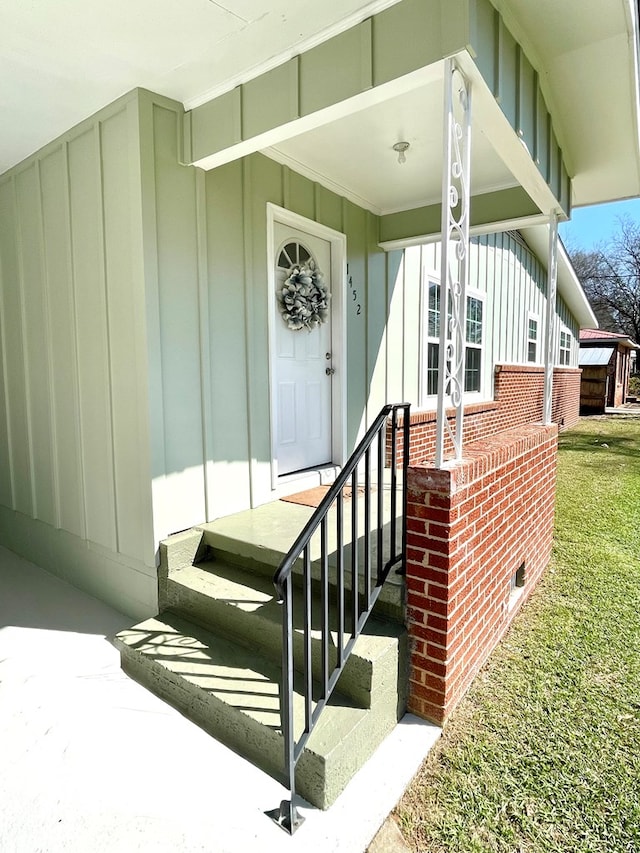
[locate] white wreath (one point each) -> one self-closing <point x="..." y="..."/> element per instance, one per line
<point x="303" y="299"/>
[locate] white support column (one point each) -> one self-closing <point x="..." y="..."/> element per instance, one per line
<point x="455" y="252"/>
<point x="549" y="342"/>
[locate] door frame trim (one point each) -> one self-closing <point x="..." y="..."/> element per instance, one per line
<point x="338" y="240"/>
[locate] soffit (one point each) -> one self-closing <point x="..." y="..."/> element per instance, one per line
<point x="356" y="154"/>
<point x="586" y="54"/>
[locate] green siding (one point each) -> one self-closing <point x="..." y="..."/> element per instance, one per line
<point x="63" y="342"/>
<point x="262" y="183"/>
<point x="87" y="240"/>
<point x="299" y="194"/>
<point x="499" y="206"/>
<point x="260" y="110"/>
<point x="486" y="23"/>
<point x="73" y="415"/>
<point x="515" y="85"/>
<point x="411" y="35"/>
<point x="328" y="208"/>
<point x="237" y="196"/>
<point x="36" y="343"/>
<point x="376" y="320"/>
<point x="543" y="124"/>
<point x="228" y="341"/>
<point x="355" y="220"/>
<point x="124" y="324"/>
<point x="513" y="282"/>
<point x="337" y="69"/>
<point x="15" y="437"/>
<point x="218" y="121"/>
<point x="177" y="254"/>
<point x="414" y="24"/>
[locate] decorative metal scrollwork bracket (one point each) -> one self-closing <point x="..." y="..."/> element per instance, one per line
<point x="454" y="258"/>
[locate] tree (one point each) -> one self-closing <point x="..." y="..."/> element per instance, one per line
<point x="610" y="276"/>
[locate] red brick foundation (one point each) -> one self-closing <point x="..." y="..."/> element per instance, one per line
<point x="472" y="526"/>
<point x="518" y="399"/>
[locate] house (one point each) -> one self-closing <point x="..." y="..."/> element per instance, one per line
<point x="421" y="154"/>
<point x="606" y="362"/>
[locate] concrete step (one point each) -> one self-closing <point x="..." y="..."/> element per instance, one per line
<point x="240" y="605"/>
<point x="259" y="539"/>
<point x="233" y="693"/>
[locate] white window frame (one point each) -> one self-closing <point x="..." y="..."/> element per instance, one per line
<point x="531" y="317"/>
<point x="479" y="296"/>
<point x="564" y="351"/>
<point x="428" y="400"/>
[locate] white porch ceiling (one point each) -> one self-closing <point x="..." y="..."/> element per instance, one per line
<point x="356" y="153"/>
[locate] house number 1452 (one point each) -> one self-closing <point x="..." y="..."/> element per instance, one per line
<point x="354" y="294"/>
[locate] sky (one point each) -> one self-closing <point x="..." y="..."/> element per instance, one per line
<point x="589" y="226"/>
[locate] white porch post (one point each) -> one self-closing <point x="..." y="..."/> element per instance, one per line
<point x="549" y="347"/>
<point x="455" y="253"/>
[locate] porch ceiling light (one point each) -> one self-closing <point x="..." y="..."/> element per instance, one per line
<point x="401" y="147"/>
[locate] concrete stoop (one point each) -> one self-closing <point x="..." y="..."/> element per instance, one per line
<point x="214" y="652"/>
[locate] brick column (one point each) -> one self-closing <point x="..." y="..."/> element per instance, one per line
<point x="476" y="528"/>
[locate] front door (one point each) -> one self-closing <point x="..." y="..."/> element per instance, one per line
<point x="303" y="368"/>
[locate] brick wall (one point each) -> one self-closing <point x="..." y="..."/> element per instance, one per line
<point x="471" y="527"/>
<point x="518" y="399"/>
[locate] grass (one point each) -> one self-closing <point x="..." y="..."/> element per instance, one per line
<point x="543" y="754"/>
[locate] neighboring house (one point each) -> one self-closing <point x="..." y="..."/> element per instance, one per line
<point x="606" y="361"/>
<point x="148" y="381"/>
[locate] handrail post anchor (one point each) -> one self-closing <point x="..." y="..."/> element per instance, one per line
<point x="287" y="816"/>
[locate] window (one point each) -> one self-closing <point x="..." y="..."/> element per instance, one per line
<point x="565" y="347"/>
<point x="532" y="339"/>
<point x="431" y="341"/>
<point x="292" y="254"/>
<point x="433" y="334"/>
<point x="473" y="348"/>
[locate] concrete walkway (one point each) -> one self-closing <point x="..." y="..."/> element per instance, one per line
<point x="92" y="762"/>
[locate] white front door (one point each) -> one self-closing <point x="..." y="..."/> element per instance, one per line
<point x="303" y="363"/>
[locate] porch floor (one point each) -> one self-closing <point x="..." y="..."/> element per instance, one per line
<point x="93" y="761"/>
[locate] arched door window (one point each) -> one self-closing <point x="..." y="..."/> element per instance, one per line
<point x="293" y="254"/>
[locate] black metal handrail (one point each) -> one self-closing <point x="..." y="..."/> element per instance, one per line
<point x="362" y="600"/>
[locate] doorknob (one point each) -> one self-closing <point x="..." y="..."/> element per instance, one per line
<point x="327" y="355"/>
<point x="329" y="371"/>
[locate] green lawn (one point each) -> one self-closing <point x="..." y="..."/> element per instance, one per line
<point x="543" y="754"/>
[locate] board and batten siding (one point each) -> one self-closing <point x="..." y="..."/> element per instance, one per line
<point x="176" y="297"/>
<point x="238" y="348"/>
<point x="134" y="384"/>
<point x="514" y="284"/>
<point x="74" y="460"/>
<point x="383" y="311"/>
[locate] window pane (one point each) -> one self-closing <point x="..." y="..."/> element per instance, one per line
<point x="292" y="254"/>
<point x="433" y="353"/>
<point x="473" y="359"/>
<point x="531" y="353"/>
<point x="474" y="320"/>
<point x="433" y="322"/>
<point x="533" y="330"/>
